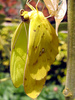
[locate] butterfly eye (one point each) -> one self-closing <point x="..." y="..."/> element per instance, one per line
<point x="24" y="15"/>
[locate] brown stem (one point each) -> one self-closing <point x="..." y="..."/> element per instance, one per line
<point x="69" y="90"/>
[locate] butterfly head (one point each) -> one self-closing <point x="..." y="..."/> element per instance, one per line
<point x="24" y="15"/>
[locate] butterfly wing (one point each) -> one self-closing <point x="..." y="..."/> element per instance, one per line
<point x="32" y="87"/>
<point x="18" y="55"/>
<point x="42" y="46"/>
<point x="42" y="50"/>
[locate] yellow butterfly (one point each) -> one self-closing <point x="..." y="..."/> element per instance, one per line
<point x="30" y="63"/>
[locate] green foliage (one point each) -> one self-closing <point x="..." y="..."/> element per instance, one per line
<point x="5" y="39"/>
<point x="52" y="92"/>
<point x="2" y="16"/>
<point x="9" y="92"/>
<point x="63" y="36"/>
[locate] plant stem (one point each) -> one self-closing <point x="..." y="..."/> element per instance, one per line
<point x="69" y="90"/>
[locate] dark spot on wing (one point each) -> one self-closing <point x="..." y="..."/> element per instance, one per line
<point x="51" y="50"/>
<point x="34" y="47"/>
<point x="40" y="53"/>
<point x="48" y="59"/>
<point x="25" y="79"/>
<point x="34" y="30"/>
<point x="42" y="35"/>
<point x="38" y="25"/>
<point x="35" y="62"/>
<point x="43" y="50"/>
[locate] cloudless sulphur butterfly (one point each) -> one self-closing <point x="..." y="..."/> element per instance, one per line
<point x="30" y="63"/>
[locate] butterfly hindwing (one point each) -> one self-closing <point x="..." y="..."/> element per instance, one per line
<point x="32" y="86"/>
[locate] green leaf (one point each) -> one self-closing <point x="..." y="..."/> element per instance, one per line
<point x="2" y="16"/>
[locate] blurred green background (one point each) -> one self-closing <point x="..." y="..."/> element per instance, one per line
<point x="9" y="20"/>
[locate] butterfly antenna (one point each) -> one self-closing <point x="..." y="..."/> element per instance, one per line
<point x="37" y="4"/>
<point x="29" y="5"/>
